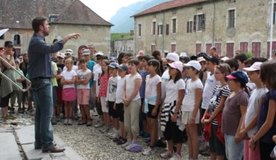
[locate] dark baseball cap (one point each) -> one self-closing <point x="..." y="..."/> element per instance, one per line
<point x="212" y="59"/>
<point x="113" y="65"/>
<point x="238" y="75"/>
<point x="123" y="67"/>
<point x="8" y="44"/>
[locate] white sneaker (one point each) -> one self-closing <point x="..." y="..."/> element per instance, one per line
<point x="148" y="151"/>
<point x="175" y="157"/>
<point x="166" y="155"/>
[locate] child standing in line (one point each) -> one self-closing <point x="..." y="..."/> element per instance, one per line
<point x="83" y="88"/>
<point x="266" y="122"/>
<point x="103" y="93"/>
<point x="111" y="97"/>
<point x="190" y="107"/>
<point x="249" y="127"/>
<point x="152" y="102"/>
<point x="212" y="115"/>
<point x="132" y="104"/>
<point x="122" y="69"/>
<point x="170" y="117"/>
<point x="233" y="115"/>
<point x="69" y="92"/>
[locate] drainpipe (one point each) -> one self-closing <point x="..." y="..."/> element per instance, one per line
<point x="213" y="30"/>
<point x="271" y="29"/>
<point x="164" y="31"/>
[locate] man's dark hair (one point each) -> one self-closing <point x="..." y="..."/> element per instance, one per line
<point x="241" y="57"/>
<point x="233" y="63"/>
<point x="156" y="54"/>
<point x="37" y="22"/>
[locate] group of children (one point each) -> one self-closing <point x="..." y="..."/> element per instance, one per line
<point x="235" y="104"/>
<point x="239" y="121"/>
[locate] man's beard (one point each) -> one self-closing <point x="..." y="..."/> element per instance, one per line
<point x="45" y="33"/>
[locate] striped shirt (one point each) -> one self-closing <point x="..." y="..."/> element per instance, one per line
<point x="218" y="93"/>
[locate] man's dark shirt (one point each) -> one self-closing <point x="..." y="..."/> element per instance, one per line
<point x="39" y="57"/>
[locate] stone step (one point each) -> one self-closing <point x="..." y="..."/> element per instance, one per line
<point x="8" y="147"/>
<point x="26" y="140"/>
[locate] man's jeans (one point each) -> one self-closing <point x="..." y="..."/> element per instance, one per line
<point x="42" y="93"/>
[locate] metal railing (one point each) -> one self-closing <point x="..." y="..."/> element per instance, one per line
<point x="28" y="82"/>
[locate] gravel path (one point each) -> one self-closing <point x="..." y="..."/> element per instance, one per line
<point x="90" y="143"/>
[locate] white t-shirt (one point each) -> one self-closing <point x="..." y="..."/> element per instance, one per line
<point x="172" y="90"/>
<point x="97" y="71"/>
<point x="165" y="79"/>
<point x="253" y="107"/>
<point x="189" y="99"/>
<point x="209" y="87"/>
<point x="84" y="75"/>
<point x="151" y="88"/>
<point x="75" y="68"/>
<point x="111" y="89"/>
<point x="120" y="89"/>
<point x="68" y="75"/>
<point x="130" y="83"/>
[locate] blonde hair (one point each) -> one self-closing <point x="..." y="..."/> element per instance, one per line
<point x="69" y="60"/>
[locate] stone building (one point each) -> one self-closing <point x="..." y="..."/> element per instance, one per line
<point x="196" y="25"/>
<point x="65" y="16"/>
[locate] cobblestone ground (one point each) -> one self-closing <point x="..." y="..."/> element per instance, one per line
<point x="90" y="143"/>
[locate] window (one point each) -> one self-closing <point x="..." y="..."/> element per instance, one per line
<point x="174" y="25"/>
<point x="160" y="29"/>
<point x="153" y="47"/>
<point x="153" y="28"/>
<point x="53" y="17"/>
<point x="230" y="50"/>
<point x="208" y="46"/>
<point x="231" y="18"/>
<point x="199" y="22"/>
<point x="218" y="47"/>
<point x="198" y="48"/>
<point x="256" y="49"/>
<point x="16" y="40"/>
<point x="173" y="47"/>
<point x="244" y="47"/>
<point x="167" y="29"/>
<point x="189" y="26"/>
<point x="139" y="29"/>
<point x="268" y="47"/>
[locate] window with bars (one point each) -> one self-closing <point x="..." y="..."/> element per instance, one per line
<point x="199" y="22"/>
<point x="174" y="25"/>
<point x="189" y="26"/>
<point x="139" y="29"/>
<point x="231" y="18"/>
<point x="153" y="28"/>
<point x="160" y="29"/>
<point x="167" y="29"/>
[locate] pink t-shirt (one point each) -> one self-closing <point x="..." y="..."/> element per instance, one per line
<point x="103" y="85"/>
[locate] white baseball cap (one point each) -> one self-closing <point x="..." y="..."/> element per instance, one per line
<point x="201" y="59"/>
<point x="69" y="51"/>
<point x="99" y="54"/>
<point x="254" y="67"/>
<point x="86" y="52"/>
<point x="173" y="57"/>
<point x="195" y="64"/>
<point x="177" y="65"/>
